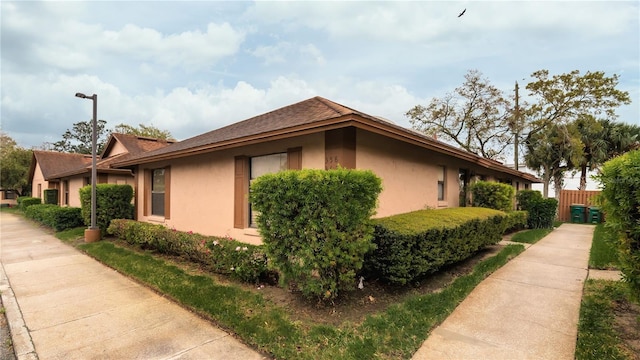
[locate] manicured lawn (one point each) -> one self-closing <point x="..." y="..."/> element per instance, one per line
<point x="71" y="235"/>
<point x="604" y="254"/>
<point x="530" y="236"/>
<point x="395" y="333"/>
<point x="598" y="337"/>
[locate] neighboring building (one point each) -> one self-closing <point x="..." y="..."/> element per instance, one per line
<point x="69" y="172"/>
<point x="8" y="197"/>
<point x="202" y="184"/>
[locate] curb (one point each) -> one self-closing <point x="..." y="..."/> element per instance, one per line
<point x="20" y="337"/>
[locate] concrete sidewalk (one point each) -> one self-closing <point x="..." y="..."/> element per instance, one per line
<point x="62" y="304"/>
<point x="528" y="309"/>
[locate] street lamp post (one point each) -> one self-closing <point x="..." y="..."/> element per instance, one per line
<point x="93" y="233"/>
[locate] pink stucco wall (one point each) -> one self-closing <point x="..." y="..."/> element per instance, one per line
<point x="38" y="179"/>
<point x="409" y="174"/>
<point x="202" y="187"/>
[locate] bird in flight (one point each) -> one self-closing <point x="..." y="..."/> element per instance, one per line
<point x="462" y="13"/>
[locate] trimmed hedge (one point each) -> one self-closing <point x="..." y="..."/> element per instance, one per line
<point x="316" y="226"/>
<point x="25" y="202"/>
<point x="54" y="216"/>
<point x="226" y="256"/>
<point x="414" y="244"/>
<point x="542" y="212"/>
<point x="620" y="179"/>
<point x="113" y="202"/>
<point x="51" y="196"/>
<point x="527" y="197"/>
<point x="493" y="195"/>
<point x="515" y="221"/>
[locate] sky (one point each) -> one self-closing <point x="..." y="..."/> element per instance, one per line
<point x="192" y="67"/>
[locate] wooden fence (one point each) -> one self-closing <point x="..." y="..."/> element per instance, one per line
<point x="570" y="197"/>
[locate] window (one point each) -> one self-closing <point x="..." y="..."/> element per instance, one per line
<point x="157" y="192"/>
<point x="66" y="191"/>
<point x="39" y="191"/>
<point x="441" y="177"/>
<point x="261" y="165"/>
<point x="247" y="169"/>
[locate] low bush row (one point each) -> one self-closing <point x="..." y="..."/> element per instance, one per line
<point x="226" y="256"/>
<point x="541" y="211"/>
<point x="54" y="216"/>
<point x="24" y="202"/>
<point x="411" y="245"/>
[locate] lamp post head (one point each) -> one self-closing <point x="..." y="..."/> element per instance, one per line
<point x="83" y="96"/>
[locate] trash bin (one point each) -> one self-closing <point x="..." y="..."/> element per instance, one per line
<point x="594" y="215"/>
<point x="577" y="213"/>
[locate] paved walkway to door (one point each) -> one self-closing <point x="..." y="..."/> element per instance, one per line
<point x="528" y="309"/>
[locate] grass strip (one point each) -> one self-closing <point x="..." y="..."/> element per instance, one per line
<point x="530" y="236"/>
<point x="604" y="254"/>
<point x="71" y="235"/>
<point x="597" y="338"/>
<point x="393" y="334"/>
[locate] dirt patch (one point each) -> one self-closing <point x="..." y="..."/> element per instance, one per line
<point x="373" y="298"/>
<point x="353" y="307"/>
<point x="627" y="325"/>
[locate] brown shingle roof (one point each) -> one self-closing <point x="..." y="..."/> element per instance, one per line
<point x="53" y="162"/>
<point x="313" y="113"/>
<point x="302" y="113"/>
<point x="66" y="164"/>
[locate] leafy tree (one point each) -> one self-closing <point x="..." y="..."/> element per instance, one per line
<point x="553" y="151"/>
<point x="15" y="162"/>
<point x="144" y="130"/>
<point x="621" y="137"/>
<point x="595" y="146"/>
<point x="563" y="104"/>
<point x="78" y="139"/>
<point x="475" y="117"/>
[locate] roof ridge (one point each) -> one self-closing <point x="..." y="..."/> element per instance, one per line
<point x="332" y="105"/>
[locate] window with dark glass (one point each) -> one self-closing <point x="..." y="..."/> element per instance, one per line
<point x="157" y="192"/>
<point x="66" y="192"/>
<point x="441" y="178"/>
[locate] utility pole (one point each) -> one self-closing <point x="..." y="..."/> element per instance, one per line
<point x="516" y="130"/>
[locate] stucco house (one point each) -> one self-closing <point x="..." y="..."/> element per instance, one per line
<point x="202" y="183"/>
<point x="69" y="172"/>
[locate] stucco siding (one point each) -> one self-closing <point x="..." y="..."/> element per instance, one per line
<point x="202" y="187"/>
<point x="75" y="184"/>
<point x="410" y="174"/>
<point x="38" y="179"/>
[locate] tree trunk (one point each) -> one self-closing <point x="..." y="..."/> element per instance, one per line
<point x="583" y="177"/>
<point x="545" y="184"/>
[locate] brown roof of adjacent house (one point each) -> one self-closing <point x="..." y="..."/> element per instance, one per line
<point x="56" y="165"/>
<point x="53" y="162"/>
<point x="311" y="115"/>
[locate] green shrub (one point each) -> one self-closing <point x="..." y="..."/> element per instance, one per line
<point x="542" y="212"/>
<point x="316" y="226"/>
<point x="493" y="195"/>
<point x="526" y="197"/>
<point x="51" y="196"/>
<point x="54" y="216"/>
<point x="515" y="221"/>
<point x="221" y="255"/>
<point x="620" y="197"/>
<point x="414" y="244"/>
<point x="25" y="202"/>
<point x="112" y="202"/>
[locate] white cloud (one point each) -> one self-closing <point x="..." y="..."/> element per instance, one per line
<point x="191" y="49"/>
